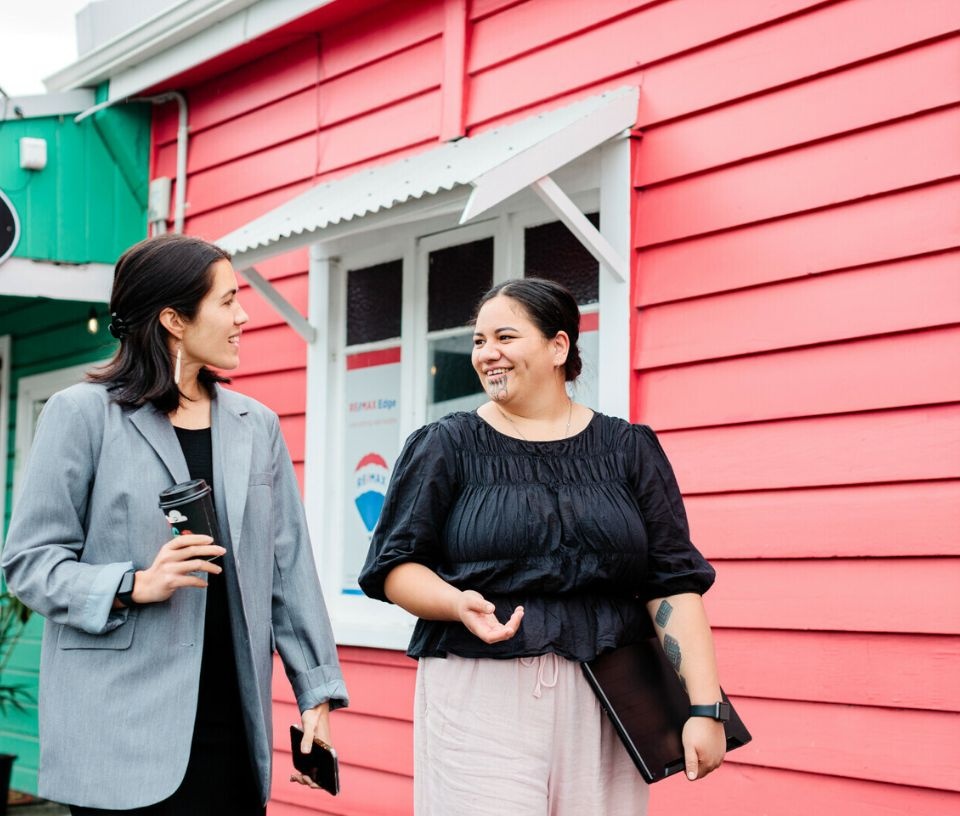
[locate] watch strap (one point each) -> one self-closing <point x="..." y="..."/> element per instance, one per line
<point x="718" y="711"/>
<point x="125" y="590"/>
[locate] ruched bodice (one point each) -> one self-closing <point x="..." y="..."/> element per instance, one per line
<point x="580" y="532"/>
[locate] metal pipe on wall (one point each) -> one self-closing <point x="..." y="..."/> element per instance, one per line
<point x="183" y="131"/>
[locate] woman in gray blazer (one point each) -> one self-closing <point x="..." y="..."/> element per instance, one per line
<point x="155" y="677"/>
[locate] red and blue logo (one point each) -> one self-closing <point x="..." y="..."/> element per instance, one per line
<point x="370" y="485"/>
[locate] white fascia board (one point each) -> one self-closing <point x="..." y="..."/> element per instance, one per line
<point x="28" y="278"/>
<point x="40" y="105"/>
<point x="176" y="40"/>
<point x="140" y="43"/>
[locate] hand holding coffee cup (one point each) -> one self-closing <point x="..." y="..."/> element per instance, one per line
<point x="188" y="509"/>
<point x="176" y="566"/>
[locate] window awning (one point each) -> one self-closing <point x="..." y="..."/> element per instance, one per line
<point x="470" y="175"/>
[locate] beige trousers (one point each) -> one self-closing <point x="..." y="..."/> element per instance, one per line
<point x="521" y="737"/>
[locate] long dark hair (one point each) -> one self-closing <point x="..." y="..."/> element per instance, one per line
<point x="551" y="307"/>
<point x="168" y="271"/>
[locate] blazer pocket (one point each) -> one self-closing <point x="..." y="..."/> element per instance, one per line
<point x="118" y="639"/>
<point x="261" y="478"/>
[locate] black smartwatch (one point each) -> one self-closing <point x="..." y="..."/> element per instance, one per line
<point x="125" y="590"/>
<point x="718" y="711"/>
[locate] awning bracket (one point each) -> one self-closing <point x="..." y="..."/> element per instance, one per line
<point x="569" y="213"/>
<point x="270" y="293"/>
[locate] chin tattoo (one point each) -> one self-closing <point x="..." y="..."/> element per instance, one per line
<point x="497" y="391"/>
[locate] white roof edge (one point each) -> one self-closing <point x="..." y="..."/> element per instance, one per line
<point x="193" y="23"/>
<point x="39" y="105"/>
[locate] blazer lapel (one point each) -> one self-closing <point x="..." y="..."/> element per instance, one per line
<point x="159" y="433"/>
<point x="232" y="449"/>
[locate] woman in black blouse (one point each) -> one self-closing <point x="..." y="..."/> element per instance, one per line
<point x="528" y="536"/>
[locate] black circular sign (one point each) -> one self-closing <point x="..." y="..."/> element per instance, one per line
<point x="9" y="227"/>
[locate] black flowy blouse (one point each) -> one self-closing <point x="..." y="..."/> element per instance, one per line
<point x="580" y="531"/>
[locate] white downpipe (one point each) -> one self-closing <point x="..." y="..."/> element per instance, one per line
<point x="183" y="130"/>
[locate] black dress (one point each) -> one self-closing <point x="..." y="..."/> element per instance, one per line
<point x="220" y="780"/>
<point x="580" y="531"/>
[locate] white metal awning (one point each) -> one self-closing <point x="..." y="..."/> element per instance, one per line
<point x="472" y="175"/>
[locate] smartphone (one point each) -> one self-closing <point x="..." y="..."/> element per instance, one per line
<point x="320" y="764"/>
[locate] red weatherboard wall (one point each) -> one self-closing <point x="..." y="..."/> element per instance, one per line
<point x="796" y="337"/>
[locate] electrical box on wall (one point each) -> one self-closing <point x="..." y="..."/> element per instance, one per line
<point x="33" y="153"/>
<point x="158" y="202"/>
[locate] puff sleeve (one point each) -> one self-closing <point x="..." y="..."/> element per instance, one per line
<point x="674" y="564"/>
<point x="422" y="489"/>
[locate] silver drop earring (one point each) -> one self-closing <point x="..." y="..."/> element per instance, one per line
<point x="176" y="367"/>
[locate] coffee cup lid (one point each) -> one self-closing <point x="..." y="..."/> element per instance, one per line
<point x="183" y="492"/>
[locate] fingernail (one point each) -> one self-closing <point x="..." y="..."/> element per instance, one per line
<point x="691" y="775"/>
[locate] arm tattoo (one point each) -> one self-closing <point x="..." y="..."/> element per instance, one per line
<point x="672" y="648"/>
<point x="663" y="614"/>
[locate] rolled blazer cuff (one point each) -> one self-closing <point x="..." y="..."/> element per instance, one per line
<point x="94" y="612"/>
<point x="320" y="685"/>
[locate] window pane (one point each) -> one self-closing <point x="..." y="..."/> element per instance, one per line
<point x="551" y="251"/>
<point x="458" y="276"/>
<point x="454" y="385"/>
<point x="374" y="296"/>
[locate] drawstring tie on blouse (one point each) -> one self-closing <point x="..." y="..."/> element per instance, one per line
<point x="542" y="682"/>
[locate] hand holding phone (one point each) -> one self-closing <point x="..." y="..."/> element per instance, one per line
<point x="320" y="764"/>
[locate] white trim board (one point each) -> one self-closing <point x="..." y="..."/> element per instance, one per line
<point x="28" y="278"/>
<point x="37" y="106"/>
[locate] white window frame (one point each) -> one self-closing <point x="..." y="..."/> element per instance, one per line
<point x="30" y="389"/>
<point x="358" y="620"/>
<point x="355" y="620"/>
<point x="492" y="228"/>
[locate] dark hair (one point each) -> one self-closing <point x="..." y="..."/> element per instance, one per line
<point x="172" y="271"/>
<point x="552" y="309"/>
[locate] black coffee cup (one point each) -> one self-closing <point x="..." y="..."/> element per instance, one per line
<point x="188" y="509"/>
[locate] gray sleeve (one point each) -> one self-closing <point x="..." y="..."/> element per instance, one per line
<point x="301" y="626"/>
<point x="41" y="558"/>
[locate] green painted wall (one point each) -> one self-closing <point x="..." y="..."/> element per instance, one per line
<point x="45" y="335"/>
<point x="89" y="202"/>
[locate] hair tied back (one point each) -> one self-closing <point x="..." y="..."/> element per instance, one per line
<point x="118" y="327"/>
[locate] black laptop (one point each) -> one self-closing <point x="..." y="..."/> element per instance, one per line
<point x="642" y="695"/>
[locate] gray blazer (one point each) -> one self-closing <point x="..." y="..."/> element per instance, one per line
<point x="118" y="688"/>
